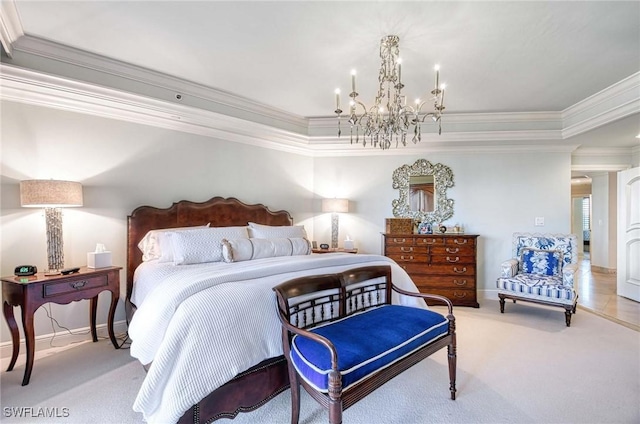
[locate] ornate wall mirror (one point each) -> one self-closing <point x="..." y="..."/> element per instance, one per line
<point x="423" y="192"/>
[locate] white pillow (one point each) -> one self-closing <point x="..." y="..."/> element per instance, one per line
<point x="258" y="248"/>
<point x="273" y="232"/>
<point x="151" y="243"/>
<point x="202" y="245"/>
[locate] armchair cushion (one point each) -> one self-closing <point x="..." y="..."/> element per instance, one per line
<point x="541" y="261"/>
<point x="365" y="342"/>
<point x="543" y="287"/>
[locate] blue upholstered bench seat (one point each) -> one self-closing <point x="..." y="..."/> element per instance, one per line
<point x="366" y="342"/>
<point x="538" y="286"/>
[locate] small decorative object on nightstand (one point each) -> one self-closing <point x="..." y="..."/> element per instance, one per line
<point x="34" y="291"/>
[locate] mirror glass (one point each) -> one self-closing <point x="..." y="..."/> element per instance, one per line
<point x="422" y="189"/>
<point x="421" y="193"/>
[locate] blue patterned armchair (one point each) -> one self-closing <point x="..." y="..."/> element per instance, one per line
<point x="542" y="270"/>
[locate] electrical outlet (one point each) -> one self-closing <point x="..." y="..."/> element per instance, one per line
<point x="539" y="222"/>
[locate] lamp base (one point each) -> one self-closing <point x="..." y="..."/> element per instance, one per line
<point x="55" y="251"/>
<point x="334" y="230"/>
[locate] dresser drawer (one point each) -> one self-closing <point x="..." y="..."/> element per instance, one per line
<point x="456" y="296"/>
<point x="409" y="257"/>
<point x="404" y="249"/>
<point x="429" y="241"/>
<point x="74" y="285"/>
<point x="454" y="269"/>
<point x="459" y="241"/>
<point x="468" y="250"/>
<point x="453" y="259"/>
<point x="399" y="241"/>
<point x="445" y="282"/>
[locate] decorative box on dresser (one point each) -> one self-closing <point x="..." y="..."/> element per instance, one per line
<point x="443" y="264"/>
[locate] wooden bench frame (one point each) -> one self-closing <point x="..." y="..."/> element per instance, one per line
<point x="306" y="302"/>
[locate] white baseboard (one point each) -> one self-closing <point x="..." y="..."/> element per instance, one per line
<point x="63" y="338"/>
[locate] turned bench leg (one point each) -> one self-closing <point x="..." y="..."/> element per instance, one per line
<point x="335" y="398"/>
<point x="452" y="355"/>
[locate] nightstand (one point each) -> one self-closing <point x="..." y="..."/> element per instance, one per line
<point x="334" y="250"/>
<point x="32" y="292"/>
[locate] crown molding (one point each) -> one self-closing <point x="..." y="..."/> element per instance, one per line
<point x="527" y="132"/>
<point x="167" y="86"/>
<point x="604" y="168"/>
<point x="10" y="25"/>
<point x="602" y="151"/>
<point x="39" y="89"/>
<point x="618" y="101"/>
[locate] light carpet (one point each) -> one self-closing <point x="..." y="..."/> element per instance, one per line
<point x="524" y="366"/>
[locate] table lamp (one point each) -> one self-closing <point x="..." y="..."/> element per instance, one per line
<point x="51" y="195"/>
<point x="335" y="206"/>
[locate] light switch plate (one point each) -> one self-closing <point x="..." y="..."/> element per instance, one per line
<point x="539" y="221"/>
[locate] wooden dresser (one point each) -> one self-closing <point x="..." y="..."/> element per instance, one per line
<point x="443" y="264"/>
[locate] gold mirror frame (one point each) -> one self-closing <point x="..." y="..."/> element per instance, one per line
<point x="443" y="179"/>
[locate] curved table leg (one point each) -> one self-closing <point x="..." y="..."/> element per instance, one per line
<point x="93" y="306"/>
<point x="111" y="317"/>
<point x="30" y="341"/>
<point x="15" y="334"/>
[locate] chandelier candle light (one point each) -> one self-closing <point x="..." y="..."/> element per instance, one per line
<point x="390" y="118"/>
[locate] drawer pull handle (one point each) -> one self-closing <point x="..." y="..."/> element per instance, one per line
<point x="460" y="283"/>
<point x="460" y="271"/>
<point x="395" y="240"/>
<point x="464" y="241"/>
<point x="429" y="241"/>
<point x="406" y="249"/>
<point x="459" y="295"/>
<point x="408" y="258"/>
<point x="453" y="250"/>
<point x="457" y="258"/>
<point x="78" y="284"/>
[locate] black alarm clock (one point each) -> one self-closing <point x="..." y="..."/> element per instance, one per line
<point x="25" y="270"/>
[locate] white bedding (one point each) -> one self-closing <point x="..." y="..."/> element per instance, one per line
<point x="200" y="325"/>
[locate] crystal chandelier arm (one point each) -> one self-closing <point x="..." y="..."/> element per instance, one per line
<point x="390" y="118"/>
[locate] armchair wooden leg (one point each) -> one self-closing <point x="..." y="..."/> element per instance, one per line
<point x="501" y="303"/>
<point x="567" y="315"/>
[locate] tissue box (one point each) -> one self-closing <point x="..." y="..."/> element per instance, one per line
<point x="98" y="259"/>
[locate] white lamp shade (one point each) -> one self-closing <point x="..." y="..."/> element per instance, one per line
<point x="50" y="194"/>
<point x="335" y="205"/>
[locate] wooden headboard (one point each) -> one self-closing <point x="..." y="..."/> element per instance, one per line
<point x="218" y="212"/>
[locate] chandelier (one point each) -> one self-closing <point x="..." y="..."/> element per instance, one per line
<point x="389" y="119"/>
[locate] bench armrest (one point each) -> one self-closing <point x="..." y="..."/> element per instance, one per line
<point x="568" y="274"/>
<point x="509" y="268"/>
<point x="313" y="336"/>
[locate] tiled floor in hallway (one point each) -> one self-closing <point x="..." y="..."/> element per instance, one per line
<point x="597" y="292"/>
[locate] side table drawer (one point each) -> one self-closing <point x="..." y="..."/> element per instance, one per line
<point x="72" y="286"/>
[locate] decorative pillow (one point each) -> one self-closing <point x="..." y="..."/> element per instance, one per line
<point x="272" y="232"/>
<point x="203" y="245"/>
<point x="151" y="243"/>
<point x="258" y="248"/>
<point x="541" y="262"/>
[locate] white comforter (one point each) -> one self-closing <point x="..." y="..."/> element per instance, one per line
<point x="200" y="325"/>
